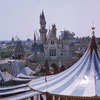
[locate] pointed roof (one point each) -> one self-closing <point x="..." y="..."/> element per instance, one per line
<point x="93" y="45"/>
<point x="42" y="15"/>
<point x="37" y="47"/>
<point x="80" y="80"/>
<point x="34" y="38"/>
<point x="19" y="46"/>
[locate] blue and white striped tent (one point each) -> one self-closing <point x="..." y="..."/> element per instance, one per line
<point x="80" y="80"/>
<point x="17" y="92"/>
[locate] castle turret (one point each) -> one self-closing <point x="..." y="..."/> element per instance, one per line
<point x="54" y="30"/>
<point x="42" y="29"/>
<point x="34" y="39"/>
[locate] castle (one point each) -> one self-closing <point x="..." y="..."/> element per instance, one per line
<point x="55" y="50"/>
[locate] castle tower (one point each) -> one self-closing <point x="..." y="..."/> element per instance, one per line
<point x="54" y="30"/>
<point x="42" y="29"/>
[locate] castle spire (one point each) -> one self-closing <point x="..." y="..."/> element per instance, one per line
<point x="34" y="38"/>
<point x="42" y="13"/>
<point x="42" y="29"/>
<point x="54" y="29"/>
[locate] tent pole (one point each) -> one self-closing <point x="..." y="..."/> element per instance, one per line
<point x="56" y="98"/>
<point x="32" y="98"/>
<point x="37" y="97"/>
<point x="48" y="96"/>
<point x="61" y="98"/>
<point x="41" y="98"/>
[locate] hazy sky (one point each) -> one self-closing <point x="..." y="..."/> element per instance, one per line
<point x="21" y="17"/>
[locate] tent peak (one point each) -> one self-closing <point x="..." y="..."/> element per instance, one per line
<point x="93" y="28"/>
<point x="93" y="44"/>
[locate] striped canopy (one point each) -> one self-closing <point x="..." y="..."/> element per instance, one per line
<point x="17" y="92"/>
<point x="82" y="79"/>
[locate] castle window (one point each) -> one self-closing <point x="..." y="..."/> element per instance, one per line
<point x="62" y="46"/>
<point x="52" y="52"/>
<point x="52" y="42"/>
<point x="19" y="50"/>
<point x="61" y="54"/>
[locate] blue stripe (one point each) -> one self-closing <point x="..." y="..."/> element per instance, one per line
<point x="98" y="87"/>
<point x="61" y="88"/>
<point x="96" y="66"/>
<point x="99" y="56"/>
<point x="98" y="80"/>
<point x="81" y="88"/>
<point x="75" y="67"/>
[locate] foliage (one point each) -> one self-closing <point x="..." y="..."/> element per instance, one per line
<point x="6" y="52"/>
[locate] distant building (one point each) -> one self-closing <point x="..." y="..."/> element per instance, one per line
<point x="13" y="40"/>
<point x="19" y="50"/>
<point x="67" y="35"/>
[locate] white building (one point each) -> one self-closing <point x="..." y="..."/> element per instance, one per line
<point x="51" y="48"/>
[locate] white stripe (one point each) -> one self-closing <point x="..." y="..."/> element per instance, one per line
<point x="15" y="91"/>
<point x="90" y="88"/>
<point x="21" y="96"/>
<point x="73" y="86"/>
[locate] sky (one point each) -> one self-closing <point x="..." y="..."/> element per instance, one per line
<point x="21" y="17"/>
